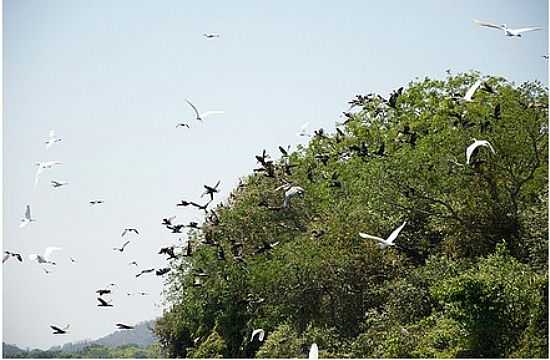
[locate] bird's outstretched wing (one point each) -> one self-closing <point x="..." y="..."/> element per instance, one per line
<point x="126" y="243"/>
<point x="28" y="212"/>
<point x="396" y="232"/>
<point x="486" y="24"/>
<point x="208" y="113"/>
<point x="367" y="236"/>
<point x="6" y="257"/>
<point x="55" y="328"/>
<point x="472" y="90"/>
<point x="102" y="302"/>
<point x="532" y="28"/>
<point x="194" y="108"/>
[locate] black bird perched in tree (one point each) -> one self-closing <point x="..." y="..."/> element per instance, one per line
<point x="392" y="102"/>
<point x="102" y="292"/>
<point x="497" y="112"/>
<point x="8" y="254"/>
<point x="211" y="190"/>
<point x="168" y="251"/>
<point x="123" y="327"/>
<point x="162" y="271"/>
<point x="103" y="302"/>
<point x="123" y="246"/>
<point x="220" y="254"/>
<point x="262" y="159"/>
<point x="189" y="250"/>
<point x="145" y="272"/>
<point x="57" y="331"/>
<point x="380" y="151"/>
<point x="340" y="136"/>
<point x="168" y="221"/>
<point x="127" y="230"/>
<point x="488" y="88"/>
<point x="176" y="229"/>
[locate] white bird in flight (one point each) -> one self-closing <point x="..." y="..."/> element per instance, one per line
<point x="202" y="116"/>
<point x="27" y="219"/>
<point x="259" y="332"/>
<point x="477" y="143"/>
<point x="52" y="139"/>
<point x="42" y="166"/>
<point x="313" y="352"/>
<point x="46" y="258"/>
<point x="303" y="130"/>
<point x="470" y="93"/>
<point x="507" y="30"/>
<point x="387" y="242"/>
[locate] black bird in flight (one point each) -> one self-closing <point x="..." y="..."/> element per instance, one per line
<point x="176" y="229"/>
<point x="127" y="230"/>
<point x="133" y="263"/>
<point x="145" y="272"/>
<point x="162" y="271"/>
<point x="102" y="292"/>
<point x="211" y="190"/>
<point x="57" y="331"/>
<point x="184" y="203"/>
<point x="168" y="221"/>
<point x="96" y="202"/>
<point x="8" y="254"/>
<point x="193" y="225"/>
<point x="103" y="302"/>
<point x="121" y="326"/>
<point x="284" y="151"/>
<point x="168" y="251"/>
<point x="123" y="246"/>
<point x="183" y="125"/>
<point x="201" y="207"/>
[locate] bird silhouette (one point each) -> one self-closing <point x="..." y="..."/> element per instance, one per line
<point x="211" y="190"/>
<point x="121" y="326"/>
<point x="121" y="249"/>
<point x="127" y="230"/>
<point x="103" y="303"/>
<point x="162" y="271"/>
<point x="58" y="331"/>
<point x="145" y="272"/>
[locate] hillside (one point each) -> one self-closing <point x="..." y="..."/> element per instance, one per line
<point x="122" y="343"/>
<point x="467" y="273"/>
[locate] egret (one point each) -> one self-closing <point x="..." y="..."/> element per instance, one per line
<point x="46" y="258"/>
<point x="477" y="143"/>
<point x="27" y="219"/>
<point x="507" y="30"/>
<point x="202" y="116"/>
<point x="387" y="242"/>
<point x="260" y="333"/>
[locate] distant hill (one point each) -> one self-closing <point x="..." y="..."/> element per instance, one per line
<point x="140" y="336"/>
<point x="10" y="351"/>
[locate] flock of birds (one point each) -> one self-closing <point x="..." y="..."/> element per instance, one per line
<point x="269" y="169"/>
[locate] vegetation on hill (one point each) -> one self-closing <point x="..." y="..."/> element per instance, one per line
<point x="468" y="277"/>
<point x="93" y="351"/>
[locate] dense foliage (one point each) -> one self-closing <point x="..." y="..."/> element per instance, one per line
<point x="468" y="277"/>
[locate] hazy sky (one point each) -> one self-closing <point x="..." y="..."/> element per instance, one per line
<point x="111" y="78"/>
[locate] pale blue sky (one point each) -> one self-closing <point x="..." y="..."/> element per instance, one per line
<point x="111" y="78"/>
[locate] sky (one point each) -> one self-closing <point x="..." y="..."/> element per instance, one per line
<point x="111" y="77"/>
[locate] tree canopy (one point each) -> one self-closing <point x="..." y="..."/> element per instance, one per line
<point x="467" y="277"/>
